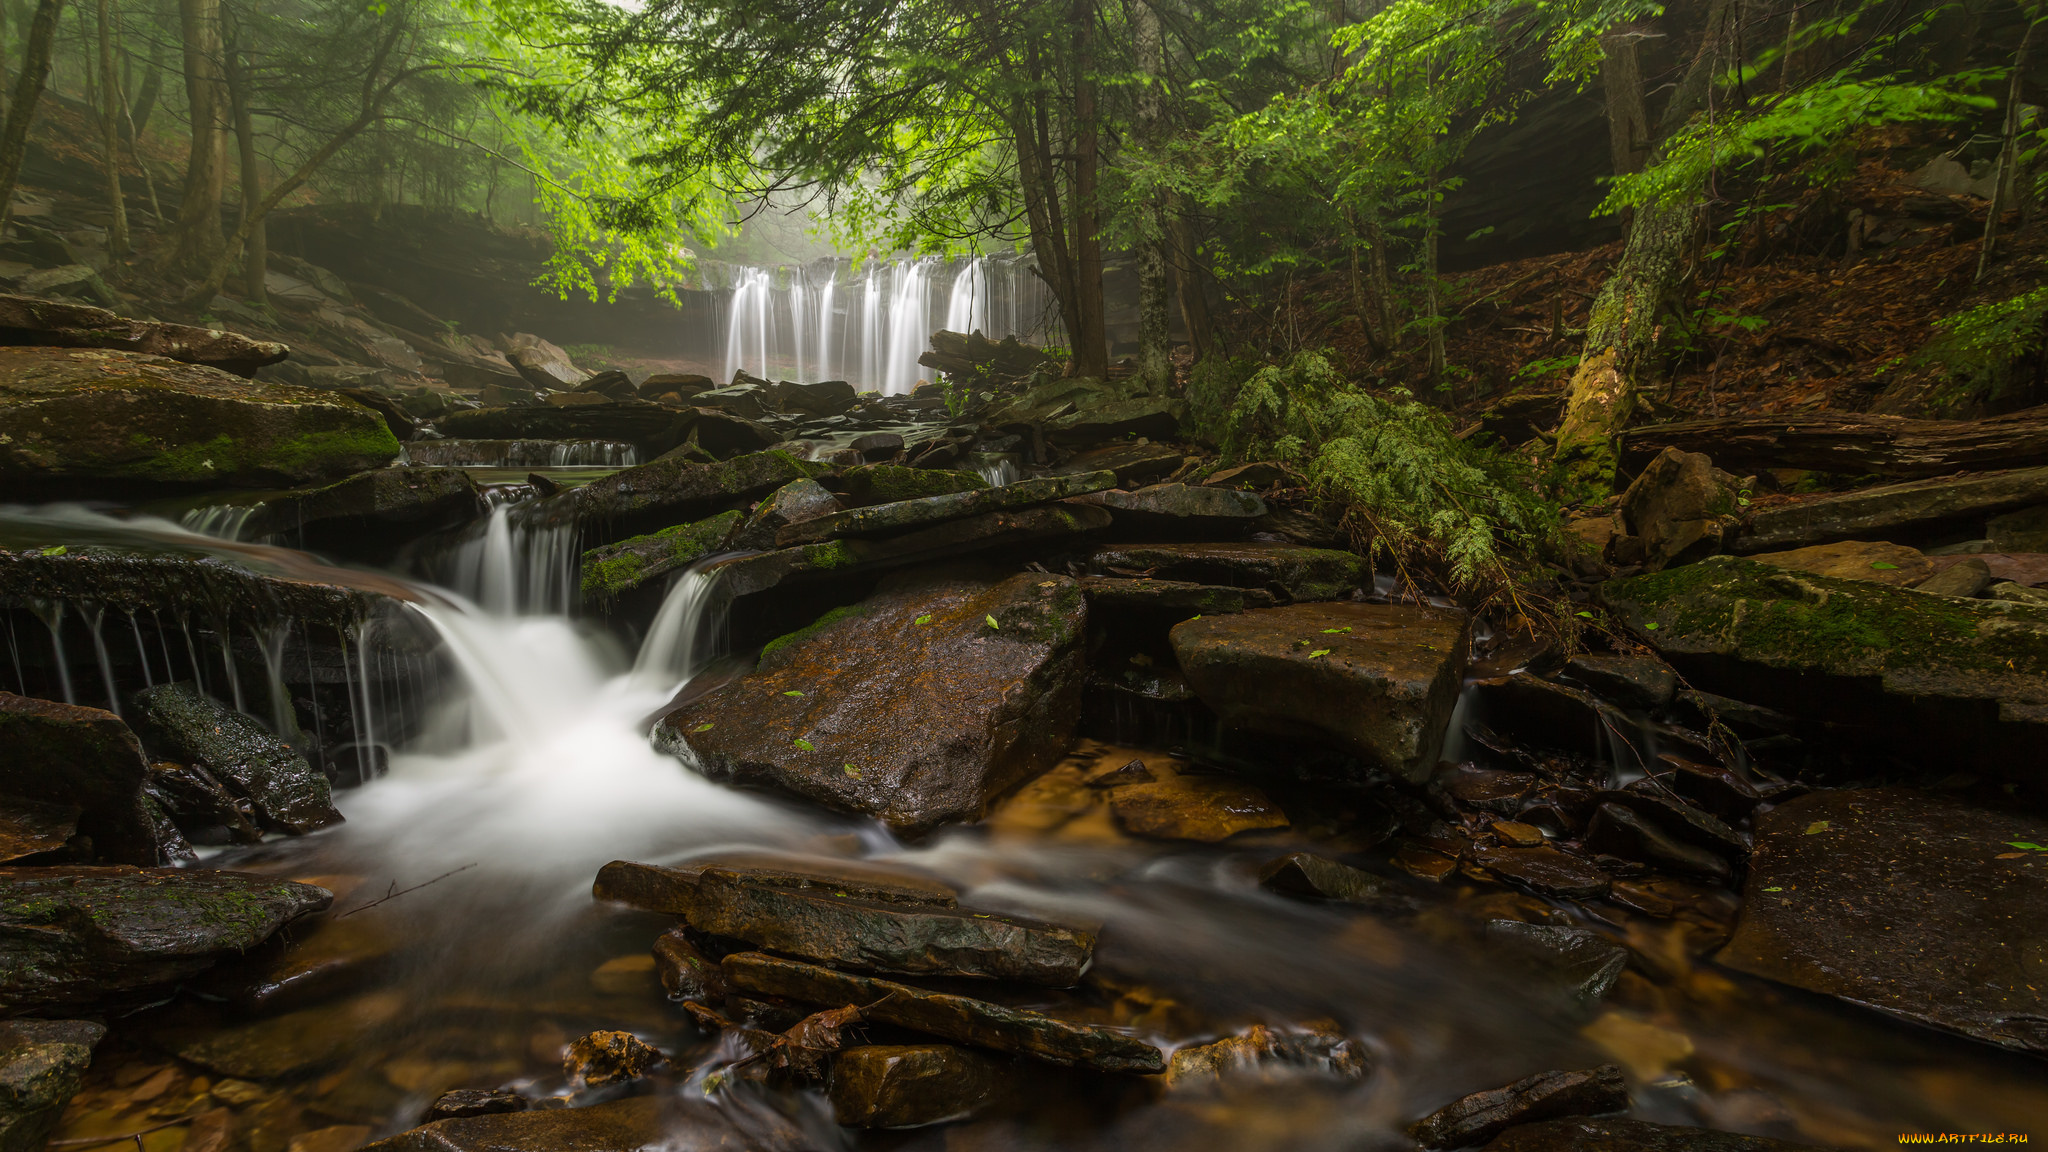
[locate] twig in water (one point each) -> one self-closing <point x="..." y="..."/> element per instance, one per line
<point x="89" y="1141"/>
<point x="396" y="895"/>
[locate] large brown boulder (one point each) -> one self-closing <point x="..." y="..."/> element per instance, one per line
<point x="1377" y="679"/>
<point x="918" y="705"/>
<point x="83" y="761"/>
<point x="106" y="420"/>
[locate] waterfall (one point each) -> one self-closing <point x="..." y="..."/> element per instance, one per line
<point x="688" y="630"/>
<point x="909" y="328"/>
<point x="871" y="329"/>
<point x="825" y="325"/>
<point x="967" y="308"/>
<point x="514" y="567"/>
<point x="1000" y="473"/>
<point x="222" y="521"/>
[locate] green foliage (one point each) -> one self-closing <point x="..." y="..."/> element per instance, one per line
<point x="1395" y="464"/>
<point x="1212" y="390"/>
<point x="1979" y="348"/>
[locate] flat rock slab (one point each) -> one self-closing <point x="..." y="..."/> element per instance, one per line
<point x="667" y="492"/>
<point x="389" y="504"/>
<point x="1205" y="809"/>
<point x="1543" y="870"/>
<point x="1132" y="463"/>
<point x="1377" y="679"/>
<point x="629" y="1125"/>
<point x="961" y="1019"/>
<point x="1898" y="510"/>
<point x="910" y="1085"/>
<point x="672" y="889"/>
<point x="78" y="935"/>
<point x="615" y="569"/>
<point x="893" y="483"/>
<point x="1481" y="1116"/>
<point x="1146" y="594"/>
<point x="898" y="939"/>
<point x="989" y="532"/>
<point x="1915" y="904"/>
<point x="911" y="515"/>
<point x="1179" y="511"/>
<point x="183" y="724"/>
<point x="282" y="1047"/>
<point x="60" y="324"/>
<point x="1624" y="1135"/>
<point x="82" y="760"/>
<point x="918" y="705"/>
<point x="1877" y="562"/>
<point x="126" y="420"/>
<point x="653" y="428"/>
<point x="1295" y="572"/>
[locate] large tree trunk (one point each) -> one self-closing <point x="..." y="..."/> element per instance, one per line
<point x="1155" y="362"/>
<point x="199" y="242"/>
<point x="112" y="109"/>
<point x="255" y="246"/>
<point x="28" y="90"/>
<point x="1090" y="334"/>
<point x="1621" y="332"/>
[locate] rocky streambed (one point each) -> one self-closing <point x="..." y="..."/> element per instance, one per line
<point x="801" y="788"/>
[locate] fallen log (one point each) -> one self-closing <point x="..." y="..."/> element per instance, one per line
<point x="1851" y="443"/>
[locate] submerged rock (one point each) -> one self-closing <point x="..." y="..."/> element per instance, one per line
<point x="1481" y="1116"/>
<point x="910" y="1085"/>
<point x="1624" y="1135"/>
<point x="894" y="938"/>
<point x="88" y="765"/>
<point x="187" y="725"/>
<point x="42" y="1063"/>
<point x="918" y="705"/>
<point x="1377" y="679"/>
<point x="1580" y="959"/>
<point x="1292" y="571"/>
<point x="1205" y="809"/>
<point x="115" y="421"/>
<point x="282" y="1047"/>
<point x="1915" y="904"/>
<point x="79" y="935"/>
<point x="961" y="1019"/>
<point x="1259" y="1047"/>
<point x="615" y="569"/>
<point x="1305" y="874"/>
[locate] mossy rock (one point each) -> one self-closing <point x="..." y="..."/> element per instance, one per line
<point x="99" y="420"/>
<point x="889" y="483"/>
<point x="619" y="568"/>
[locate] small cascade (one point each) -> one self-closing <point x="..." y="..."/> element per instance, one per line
<point x="1000" y="472"/>
<point x="967" y="307"/>
<point x="514" y="567"/>
<point x="220" y="521"/>
<point x="519" y="454"/>
<point x="688" y="631"/>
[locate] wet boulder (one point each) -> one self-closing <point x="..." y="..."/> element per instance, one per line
<point x="1178" y="597"/>
<point x="893" y="483"/>
<point x="609" y="1057"/>
<point x="961" y="1019"/>
<point x="918" y="705"/>
<point x="63" y="766"/>
<point x="1877" y="562"/>
<point x="846" y="559"/>
<point x="42" y="1063"/>
<point x="1678" y="507"/>
<point x="1262" y="1049"/>
<point x="1287" y="570"/>
<point x="685" y="972"/>
<point x="615" y="569"/>
<point x="887" y="937"/>
<point x="1620" y="1134"/>
<point x="1481" y="1116"/>
<point x="673" y="890"/>
<point x="201" y="808"/>
<point x="1629" y="681"/>
<point x="474" y="1102"/>
<point x="1378" y="680"/>
<point x="100" y="421"/>
<point x="184" y="724"/>
<point x="1580" y="961"/>
<point x="1915" y="904"/>
<point x="670" y="491"/>
<point x="81" y="935"/>
<point x="793" y="503"/>
<point x="910" y="1085"/>
<point x="369" y="515"/>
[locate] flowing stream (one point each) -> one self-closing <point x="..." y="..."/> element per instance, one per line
<point x="465" y="867"/>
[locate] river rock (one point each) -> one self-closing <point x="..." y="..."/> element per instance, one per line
<point x="794" y="503"/>
<point x="910" y="1085"/>
<point x="42" y="1063"/>
<point x="961" y="1019"/>
<point x="86" y="763"/>
<point x="1914" y="904"/>
<point x="667" y="492"/>
<point x="651" y="428"/>
<point x="79" y="421"/>
<point x="615" y="569"/>
<point x="203" y="810"/>
<point x="685" y="972"/>
<point x="1679" y="506"/>
<point x="1294" y="572"/>
<point x="1927" y="671"/>
<point x="997" y="532"/>
<point x="34" y="320"/>
<point x="609" y="1057"/>
<point x="282" y="1047"/>
<point x="474" y="1102"/>
<point x="1481" y="1116"/>
<point x="1618" y="831"/>
<point x="336" y="957"/>
<point x="1305" y="874"/>
<point x="1204" y="809"/>
<point x="1181" y="512"/>
<point x="78" y="935"/>
<point x="630" y="1125"/>
<point x="1377" y="679"/>
<point x="1544" y="870"/>
<point x="1132" y="463"/>
<point x="909" y="515"/>
<point x="1965" y="579"/>
<point x="1629" y="681"/>
<point x="1544" y="711"/>
<point x="1171" y="596"/>
<point x="1879" y="563"/>
<point x="183" y="723"/>
<point x="1916" y="511"/>
<point x="1580" y="960"/>
<point x="1620" y="1134"/>
<point x="1320" y="1050"/>
<point x="31" y="828"/>
<point x="367" y="516"/>
<point x="897" y="939"/>
<point x="893" y="483"/>
<point x="919" y="706"/>
<point x="673" y="890"/>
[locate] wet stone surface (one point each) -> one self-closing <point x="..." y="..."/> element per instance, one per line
<point x="911" y="1085"/>
<point x="1481" y="1116"/>
<point x="1622" y="1135"/>
<point x="180" y="722"/>
<point x="85" y="762"/>
<point x="42" y="1063"/>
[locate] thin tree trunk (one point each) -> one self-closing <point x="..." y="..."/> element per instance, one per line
<point x="146" y="95"/>
<point x="1192" y="284"/>
<point x="1439" y="359"/>
<point x="1091" y="335"/>
<point x="2008" y="154"/>
<point x="1621" y="330"/>
<point x="112" y="107"/>
<point x="1155" y="362"/>
<point x="199" y="243"/>
<point x="255" y="246"/>
<point x="28" y="89"/>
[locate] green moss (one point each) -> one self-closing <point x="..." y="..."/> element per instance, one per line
<point x="301" y="456"/>
<point x="829" y="555"/>
<point x="333" y="450"/>
<point x="785" y="642"/>
<point x="608" y="576"/>
<point x="889" y="483"/>
<point x="620" y="567"/>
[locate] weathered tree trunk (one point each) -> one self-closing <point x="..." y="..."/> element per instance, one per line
<point x="1439" y="357"/>
<point x="1090" y="334"/>
<point x="1621" y="80"/>
<point x="1191" y="283"/>
<point x="255" y="246"/>
<point x="1854" y="443"/>
<point x="146" y="94"/>
<point x="1622" y="328"/>
<point x="2008" y="154"/>
<point x="199" y="242"/>
<point x="112" y="108"/>
<point x="1155" y="362"/>
<point x="28" y="90"/>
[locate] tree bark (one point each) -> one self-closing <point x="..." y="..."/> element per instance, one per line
<point x="255" y="246"/>
<point x="1090" y="335"/>
<point x="1621" y="331"/>
<point x="112" y="109"/>
<point x="28" y="90"/>
<point x="1155" y="362"/>
<point x="1192" y="284"/>
<point x="1853" y="443"/>
<point x="2008" y="154"/>
<point x="199" y="242"/>
<point x="1621" y="80"/>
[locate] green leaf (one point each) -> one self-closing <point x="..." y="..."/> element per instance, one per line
<point x="803" y="745"/>
<point x="2027" y="844"/>
<point x="1319" y="652"/>
<point x="1586" y="615"/>
<point x="850" y="770"/>
<point x="792" y="692"/>
<point x="1884" y="567"/>
<point x="1652" y="625"/>
<point x="55" y="550"/>
<point x="1817" y="826"/>
<point x="924" y="619"/>
<point x="992" y="622"/>
<point x="1774" y="889"/>
<point x="1328" y="631"/>
<point x="704" y="727"/>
